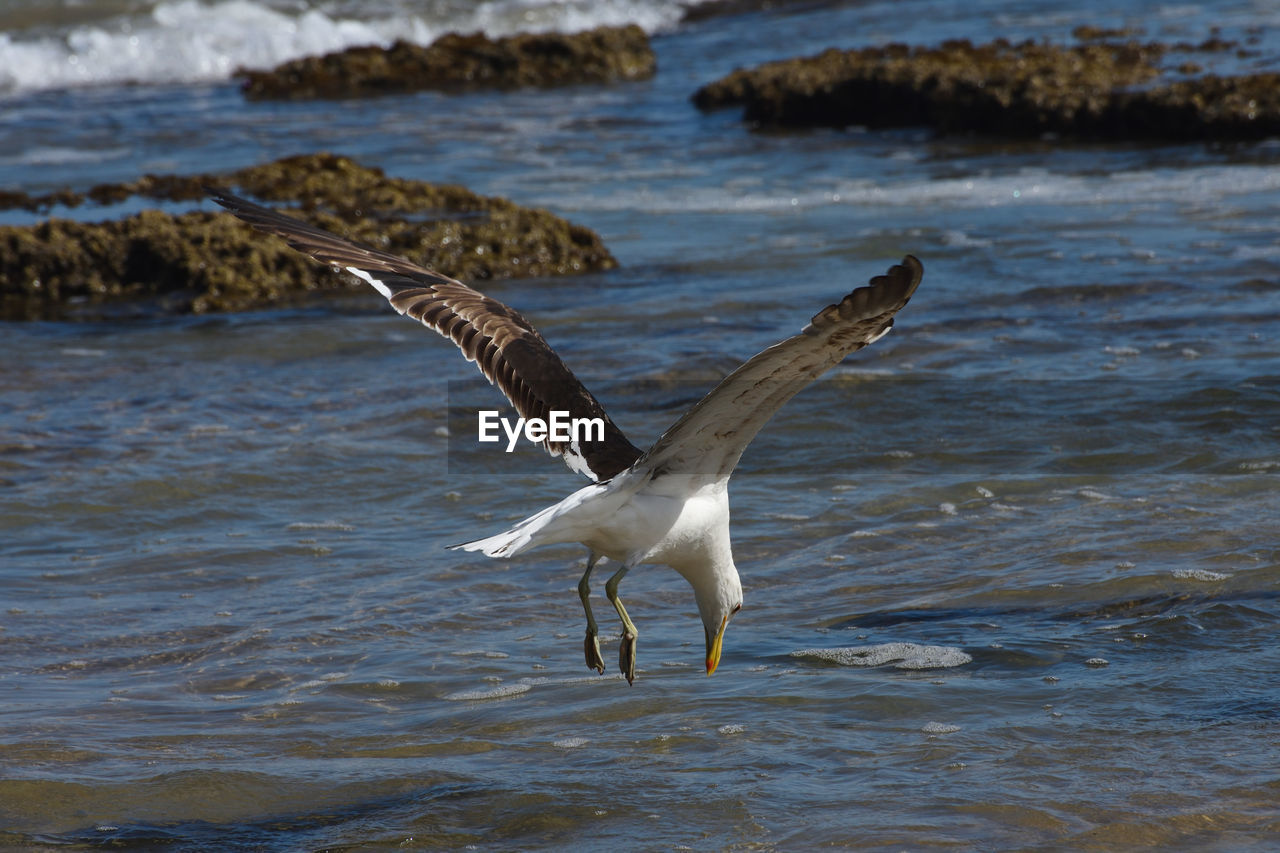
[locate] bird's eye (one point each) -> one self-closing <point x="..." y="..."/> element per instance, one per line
<point x="737" y="608"/>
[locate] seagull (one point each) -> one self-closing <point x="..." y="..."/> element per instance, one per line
<point x="667" y="505"/>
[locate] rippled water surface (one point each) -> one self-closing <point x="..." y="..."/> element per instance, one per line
<point x="1011" y="574"/>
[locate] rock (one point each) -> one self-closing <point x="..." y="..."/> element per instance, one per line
<point x="456" y="62"/>
<point x="1240" y="107"/>
<point x="201" y="261"/>
<point x="1094" y="90"/>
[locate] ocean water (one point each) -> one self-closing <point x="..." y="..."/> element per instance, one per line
<point x="1011" y="574"/>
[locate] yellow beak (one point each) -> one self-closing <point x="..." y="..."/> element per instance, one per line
<point x="714" y="645"/>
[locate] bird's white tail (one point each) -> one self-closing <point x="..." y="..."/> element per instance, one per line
<point x="508" y="543"/>
<point x="537" y="529"/>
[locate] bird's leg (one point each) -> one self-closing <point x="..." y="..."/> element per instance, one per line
<point x="591" y="645"/>
<point x="626" y="648"/>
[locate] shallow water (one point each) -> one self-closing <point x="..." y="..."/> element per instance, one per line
<point x="1011" y="574"/>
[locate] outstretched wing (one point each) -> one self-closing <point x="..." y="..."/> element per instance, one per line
<point x="507" y="349"/>
<point x="711" y="436"/>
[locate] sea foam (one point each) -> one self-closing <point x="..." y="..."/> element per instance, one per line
<point x="185" y="41"/>
<point x="901" y="655"/>
<point x="1023" y="189"/>
<point x="502" y="691"/>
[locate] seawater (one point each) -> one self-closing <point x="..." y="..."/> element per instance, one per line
<point x="1010" y="574"/>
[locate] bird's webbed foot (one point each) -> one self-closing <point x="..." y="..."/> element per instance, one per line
<point x="592" y="648"/>
<point x="627" y="647"/>
<point x="627" y="656"/>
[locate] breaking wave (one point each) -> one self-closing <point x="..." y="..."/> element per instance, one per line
<point x="186" y="41"/>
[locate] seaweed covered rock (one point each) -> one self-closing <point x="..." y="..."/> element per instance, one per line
<point x="1093" y="90"/>
<point x="1212" y="107"/>
<point x="203" y="261"/>
<point x="461" y="62"/>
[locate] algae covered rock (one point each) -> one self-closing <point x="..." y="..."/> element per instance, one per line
<point x="204" y="261"/>
<point x="1092" y="90"/>
<point x="457" y="61"/>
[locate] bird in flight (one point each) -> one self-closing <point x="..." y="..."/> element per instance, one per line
<point x="667" y="505"/>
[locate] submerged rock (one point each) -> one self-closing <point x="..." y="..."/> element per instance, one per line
<point x="1094" y="90"/>
<point x="201" y="261"/>
<point x="462" y="62"/>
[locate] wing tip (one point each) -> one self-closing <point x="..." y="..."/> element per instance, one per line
<point x="901" y="278"/>
<point x="883" y="294"/>
<point x="226" y="198"/>
<point x="914" y="269"/>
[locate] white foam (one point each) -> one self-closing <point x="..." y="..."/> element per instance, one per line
<point x="185" y="41"/>
<point x="1255" y="253"/>
<point x="321" y="525"/>
<point x="1094" y="494"/>
<point x="181" y="41"/>
<point x="502" y="691"/>
<point x="56" y="155"/>
<point x="939" y="728"/>
<point x="901" y="655"/>
<point x="1200" y="575"/>
<point x="1208" y="187"/>
<point x="481" y="653"/>
<point x="960" y="239"/>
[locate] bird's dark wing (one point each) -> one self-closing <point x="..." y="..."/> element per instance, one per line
<point x="508" y="350"/>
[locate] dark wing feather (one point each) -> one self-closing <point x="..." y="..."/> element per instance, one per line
<point x="710" y="438"/>
<point x="507" y="349"/>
